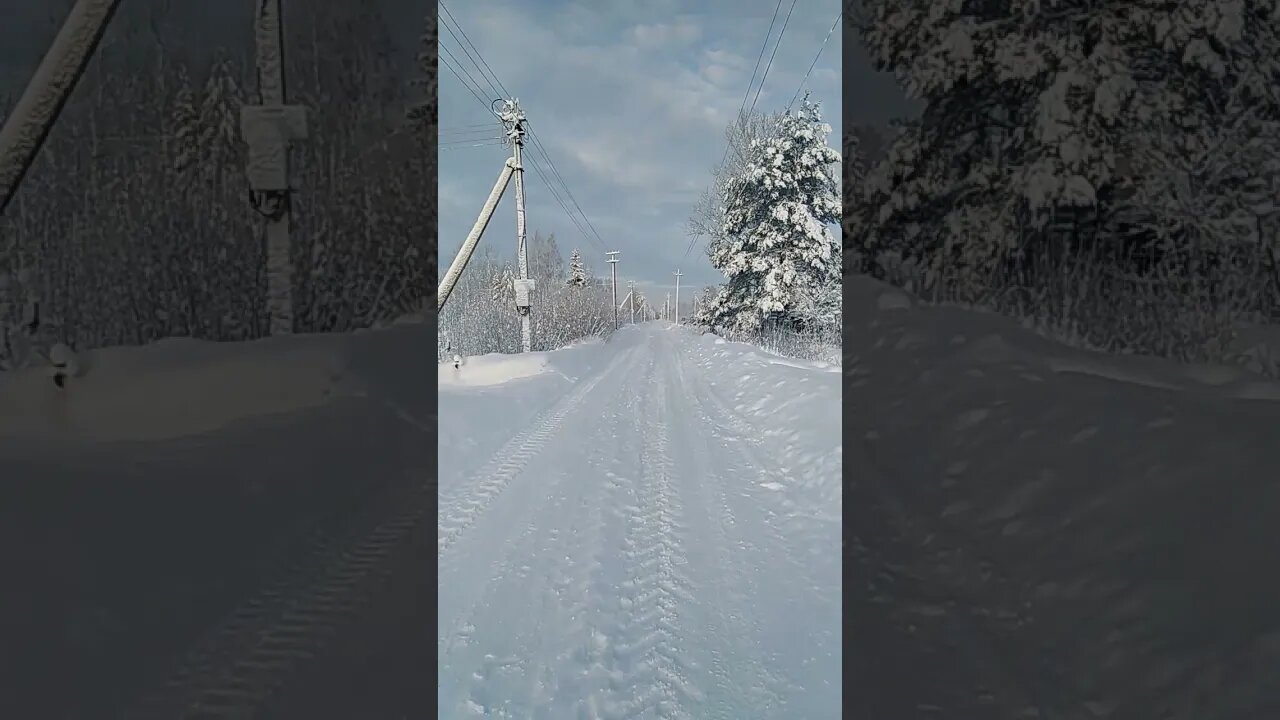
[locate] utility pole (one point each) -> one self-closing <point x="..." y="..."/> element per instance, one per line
<point x="513" y="118"/>
<point x="613" y="266"/>
<point x="677" y="308"/>
<point x="632" y="288"/>
<point x="30" y="120"/>
<point x="268" y="128"/>
<point x="469" y="245"/>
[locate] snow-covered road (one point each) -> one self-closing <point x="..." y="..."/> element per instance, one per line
<point x="648" y="527"/>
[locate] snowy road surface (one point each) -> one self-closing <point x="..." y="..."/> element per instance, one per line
<point x="648" y="527"/>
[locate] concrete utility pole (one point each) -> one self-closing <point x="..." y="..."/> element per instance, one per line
<point x="613" y="266"/>
<point x="513" y="118"/>
<point x="268" y="129"/>
<point x="469" y="246"/>
<point x="677" y="308"/>
<point x="632" y="296"/>
<point x="38" y="108"/>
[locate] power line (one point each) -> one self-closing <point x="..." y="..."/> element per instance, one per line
<point x="474" y="135"/>
<point x="445" y="59"/>
<point x="495" y="84"/>
<point x="464" y="129"/>
<point x="538" y="143"/>
<point x="759" y="56"/>
<point x="764" y="45"/>
<point x="781" y="32"/>
<point x="815" y="59"/>
<point x="470" y="57"/>
<point x="473" y="47"/>
<point x="778" y="43"/>
<point x="458" y="146"/>
<point x="459" y="141"/>
<point x="560" y="201"/>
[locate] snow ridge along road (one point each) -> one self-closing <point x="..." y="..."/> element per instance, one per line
<point x="639" y="550"/>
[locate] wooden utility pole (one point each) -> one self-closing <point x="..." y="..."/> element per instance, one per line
<point x="268" y="129"/>
<point x="613" y="267"/>
<point x="677" y="307"/>
<point x="513" y="118"/>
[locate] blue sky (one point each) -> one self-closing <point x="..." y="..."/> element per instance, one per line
<point x="630" y="100"/>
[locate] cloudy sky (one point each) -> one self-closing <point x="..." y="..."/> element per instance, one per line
<point x="630" y="100"/>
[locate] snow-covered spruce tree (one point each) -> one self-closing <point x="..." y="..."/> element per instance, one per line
<point x="707" y="218"/>
<point x="775" y="249"/>
<point x="1031" y="111"/>
<point x="577" y="271"/>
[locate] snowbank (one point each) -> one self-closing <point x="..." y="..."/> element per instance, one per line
<point x="492" y="369"/>
<point x="792" y="404"/>
<point x="1129" y="502"/>
<point x="515" y="388"/>
<point x="181" y="388"/>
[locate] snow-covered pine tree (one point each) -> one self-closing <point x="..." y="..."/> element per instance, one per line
<point x="577" y="271"/>
<point x="775" y="245"/>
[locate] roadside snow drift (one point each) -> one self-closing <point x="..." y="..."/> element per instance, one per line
<point x="493" y="369"/>
<point x="174" y="388"/>
<point x="648" y="527"/>
<point x="1111" y="518"/>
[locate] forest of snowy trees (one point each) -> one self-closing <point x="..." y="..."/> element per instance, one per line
<point x="481" y="318"/>
<point x="767" y="217"/>
<point x="134" y="223"/>
<point x="1076" y="158"/>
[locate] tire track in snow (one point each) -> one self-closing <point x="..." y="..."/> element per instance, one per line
<point x="741" y="439"/>
<point x="244" y="660"/>
<point x="604" y="614"/>
<point x="797" y="586"/>
<point x="648" y="673"/>
<point x="543" y="568"/>
<point x="472" y="498"/>
<point x="747" y="686"/>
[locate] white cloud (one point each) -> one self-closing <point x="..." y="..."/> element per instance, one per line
<point x="657" y="35"/>
<point x="631" y="100"/>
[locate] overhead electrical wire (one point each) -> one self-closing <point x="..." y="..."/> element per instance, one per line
<point x="777" y="43"/>
<point x="772" y="55"/>
<point x="458" y="73"/>
<point x="557" y="186"/>
<point x="822" y="47"/>
<point x="759" y="56"/>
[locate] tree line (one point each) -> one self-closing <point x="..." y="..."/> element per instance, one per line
<point x="134" y="223"/>
<point x="568" y="303"/>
